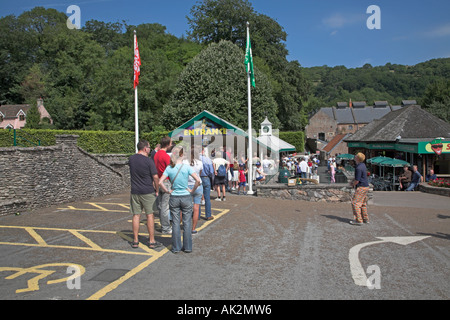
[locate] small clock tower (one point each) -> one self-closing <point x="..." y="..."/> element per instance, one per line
<point x="266" y="128"/>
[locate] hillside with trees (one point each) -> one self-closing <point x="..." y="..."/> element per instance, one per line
<point x="428" y="83"/>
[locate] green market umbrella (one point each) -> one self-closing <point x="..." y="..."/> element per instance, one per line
<point x="394" y="163"/>
<point x="377" y="161"/>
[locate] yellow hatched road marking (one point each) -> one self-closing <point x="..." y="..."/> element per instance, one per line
<point x="36" y="236"/>
<point x="100" y="207"/>
<point x="97" y="206"/>
<point x="86" y="240"/>
<point x="94" y="247"/>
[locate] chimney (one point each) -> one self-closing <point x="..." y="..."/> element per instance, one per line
<point x="40" y="102"/>
<point x="350" y="104"/>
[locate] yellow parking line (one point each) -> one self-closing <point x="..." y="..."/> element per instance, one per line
<point x="94" y="247"/>
<point x="36" y="237"/>
<point x="97" y="206"/>
<point x="73" y="247"/>
<point x="86" y="240"/>
<point x="91" y="210"/>
<point x="113" y="285"/>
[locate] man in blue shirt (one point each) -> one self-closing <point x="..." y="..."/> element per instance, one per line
<point x="416" y="179"/>
<point x="431" y="176"/>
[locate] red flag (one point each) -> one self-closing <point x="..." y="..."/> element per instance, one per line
<point x="137" y="62"/>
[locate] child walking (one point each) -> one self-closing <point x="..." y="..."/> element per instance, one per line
<point x="242" y="179"/>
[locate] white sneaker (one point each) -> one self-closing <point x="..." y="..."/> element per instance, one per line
<point x="203" y="202"/>
<point x="218" y="199"/>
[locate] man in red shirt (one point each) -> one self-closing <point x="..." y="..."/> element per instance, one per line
<point x="162" y="160"/>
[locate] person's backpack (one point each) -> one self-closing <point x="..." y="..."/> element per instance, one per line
<point x="222" y="171"/>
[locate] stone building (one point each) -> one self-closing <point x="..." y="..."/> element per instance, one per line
<point x="330" y="123"/>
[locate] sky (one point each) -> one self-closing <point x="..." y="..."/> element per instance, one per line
<point x="320" y="32"/>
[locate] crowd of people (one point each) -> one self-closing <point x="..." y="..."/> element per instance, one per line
<point x="174" y="184"/>
<point x="409" y="180"/>
<point x="301" y="166"/>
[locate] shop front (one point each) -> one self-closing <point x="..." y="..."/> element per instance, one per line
<point x="434" y="154"/>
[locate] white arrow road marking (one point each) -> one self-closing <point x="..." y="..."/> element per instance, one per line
<point x="358" y="274"/>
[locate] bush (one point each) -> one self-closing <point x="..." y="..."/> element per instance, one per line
<point x="110" y="142"/>
<point x="120" y="142"/>
<point x="297" y="139"/>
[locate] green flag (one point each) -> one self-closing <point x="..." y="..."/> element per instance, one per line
<point x="249" y="59"/>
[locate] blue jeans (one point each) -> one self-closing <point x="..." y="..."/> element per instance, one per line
<point x="207" y="194"/>
<point x="412" y="186"/>
<point x="303" y="175"/>
<point x="183" y="204"/>
<point x="163" y="207"/>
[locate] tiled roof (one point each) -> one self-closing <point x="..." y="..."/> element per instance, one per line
<point x="334" y="142"/>
<point x="10" y="111"/>
<point x="410" y="122"/>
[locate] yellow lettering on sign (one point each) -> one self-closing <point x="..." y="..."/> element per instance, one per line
<point x="205" y="132"/>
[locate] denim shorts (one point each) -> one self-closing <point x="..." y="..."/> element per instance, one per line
<point x="197" y="196"/>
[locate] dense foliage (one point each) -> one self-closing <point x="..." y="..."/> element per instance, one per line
<point x="111" y="142"/>
<point x="85" y="76"/>
<point x="428" y="83"/>
<point x="216" y="81"/>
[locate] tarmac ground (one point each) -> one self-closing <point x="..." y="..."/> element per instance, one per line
<point x="254" y="249"/>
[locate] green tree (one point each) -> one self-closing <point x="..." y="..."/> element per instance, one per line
<point x="21" y="47"/>
<point x="216" y="81"/>
<point x="33" y="118"/>
<point x="73" y="61"/>
<point x="436" y="99"/>
<point x="215" y="20"/>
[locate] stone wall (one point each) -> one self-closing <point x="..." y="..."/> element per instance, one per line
<point x="44" y="176"/>
<point x="315" y="193"/>
<point x="425" y="187"/>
